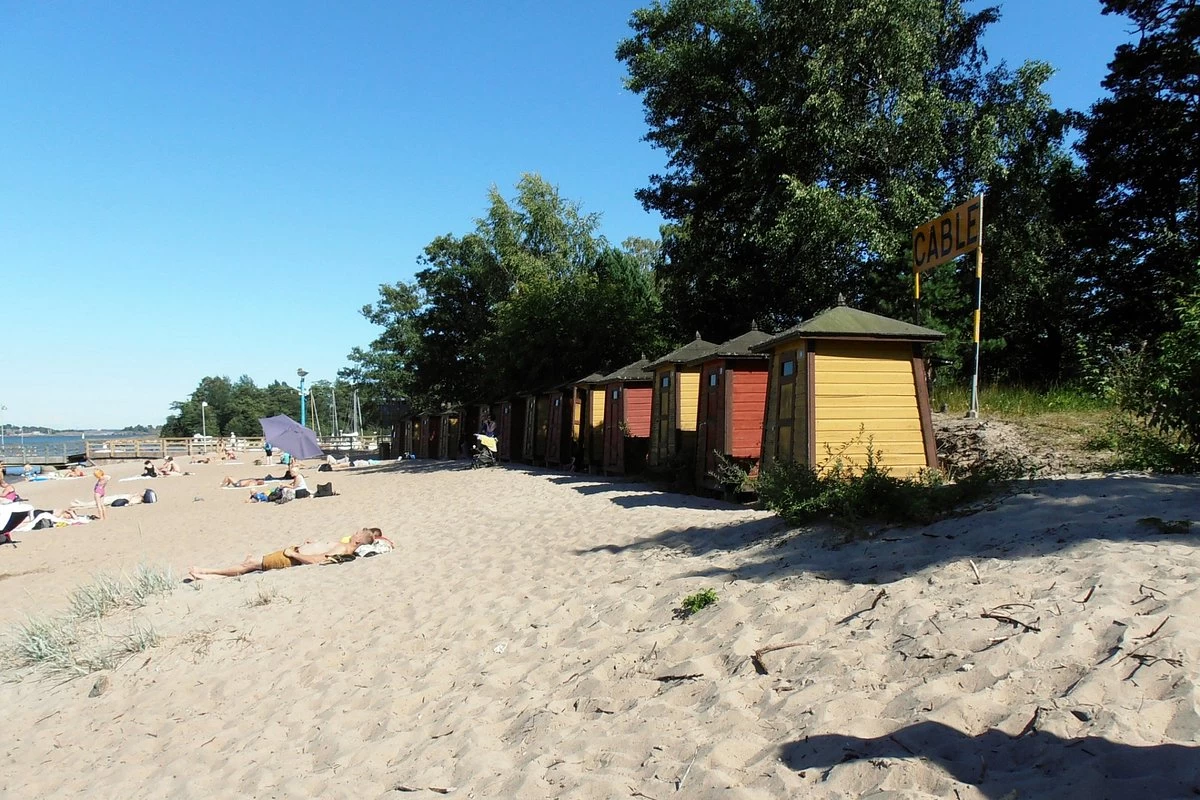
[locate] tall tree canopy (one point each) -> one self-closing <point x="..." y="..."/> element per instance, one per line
<point x="532" y="297"/>
<point x="806" y="138"/>
<point x="1142" y="147"/>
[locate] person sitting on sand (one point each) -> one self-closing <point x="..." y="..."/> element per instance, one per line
<point x="295" y="556"/>
<point x="169" y="467"/>
<point x="148" y="470"/>
<point x="243" y="483"/>
<point x="7" y="493"/>
<point x="201" y="460"/>
<point x="75" y="471"/>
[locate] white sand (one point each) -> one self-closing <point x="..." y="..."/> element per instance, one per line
<point x="520" y="643"/>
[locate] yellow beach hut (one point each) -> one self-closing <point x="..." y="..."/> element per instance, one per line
<point x="844" y="381"/>
<point x="675" y="401"/>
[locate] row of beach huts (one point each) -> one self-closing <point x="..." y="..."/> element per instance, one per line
<point x="834" y="384"/>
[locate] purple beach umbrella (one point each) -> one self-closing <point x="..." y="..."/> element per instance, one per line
<point x="284" y="433"/>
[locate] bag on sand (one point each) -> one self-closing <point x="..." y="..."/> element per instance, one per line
<point x="286" y="495"/>
<point x="149" y="496"/>
<point x="324" y="468"/>
<point x="325" y="490"/>
<point x="120" y="502"/>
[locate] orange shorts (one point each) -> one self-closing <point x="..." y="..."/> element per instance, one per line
<point x="277" y="560"/>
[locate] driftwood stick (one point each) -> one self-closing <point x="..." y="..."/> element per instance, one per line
<point x="1014" y="622"/>
<point x="1150" y="635"/>
<point x="1144" y="589"/>
<point x="683" y="777"/>
<point x="756" y="659"/>
<point x="882" y="594"/>
<point x="939" y="627"/>
<point x="1087" y="596"/>
<point x="975" y="569"/>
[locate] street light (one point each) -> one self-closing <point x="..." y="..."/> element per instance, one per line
<point x="2" y="409"/>
<point x="203" y="423"/>
<point x="301" y="373"/>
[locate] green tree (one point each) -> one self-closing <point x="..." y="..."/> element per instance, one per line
<point x="806" y="139"/>
<point x="1142" y="149"/>
<point x="532" y="297"/>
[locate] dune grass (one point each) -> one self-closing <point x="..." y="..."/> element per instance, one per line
<point x="75" y="643"/>
<point x="1018" y="401"/>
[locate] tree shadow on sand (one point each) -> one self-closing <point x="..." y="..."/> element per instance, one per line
<point x="1038" y="764"/>
<point x="1043" y="517"/>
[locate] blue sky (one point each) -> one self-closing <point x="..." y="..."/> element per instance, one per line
<point x="216" y="188"/>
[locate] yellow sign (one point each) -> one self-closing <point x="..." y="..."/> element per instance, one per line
<point x="958" y="231"/>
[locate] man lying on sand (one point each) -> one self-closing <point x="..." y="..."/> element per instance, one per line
<point x="295" y="556"/>
<point x="242" y="483"/>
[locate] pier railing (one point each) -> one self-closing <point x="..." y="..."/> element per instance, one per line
<point x="249" y="447"/>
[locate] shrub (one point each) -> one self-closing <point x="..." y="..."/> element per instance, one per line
<point x="840" y="491"/>
<point x="696" y="602"/>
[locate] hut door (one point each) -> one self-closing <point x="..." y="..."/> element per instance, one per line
<point x="614" y="419"/>
<point x="786" y="427"/>
<point x="505" y="431"/>
<point x="710" y="428"/>
<point x="530" y="427"/>
<point x="663" y="427"/>
<point x="554" y="436"/>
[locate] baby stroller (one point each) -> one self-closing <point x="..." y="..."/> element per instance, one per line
<point x="483" y="452"/>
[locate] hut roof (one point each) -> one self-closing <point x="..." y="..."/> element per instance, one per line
<point x="842" y="321"/>
<point x="637" y="371"/>
<point x="693" y="349"/>
<point x="738" y="347"/>
<point x="595" y="377"/>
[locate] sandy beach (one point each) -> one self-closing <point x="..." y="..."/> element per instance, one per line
<point x="522" y="641"/>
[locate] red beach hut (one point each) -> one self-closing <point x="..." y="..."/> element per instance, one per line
<point x="510" y="428"/>
<point x="732" y="404"/>
<point x="627" y="395"/>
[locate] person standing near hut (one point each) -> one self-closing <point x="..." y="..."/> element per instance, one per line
<point x="267" y="447"/>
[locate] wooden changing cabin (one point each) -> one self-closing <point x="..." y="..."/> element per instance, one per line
<point x="627" y="394"/>
<point x="558" y="432"/>
<point x="589" y="394"/>
<point x="403" y="436"/>
<point x="537" y="426"/>
<point x="676" y="394"/>
<point x="450" y="422"/>
<point x="846" y="371"/>
<point x="570" y="422"/>
<point x="733" y="405"/>
<point x="428" y="433"/>
<point x="510" y="428"/>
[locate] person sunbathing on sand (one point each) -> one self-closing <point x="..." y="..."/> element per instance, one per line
<point x="295" y="556"/>
<point x="75" y="472"/>
<point x="241" y="484"/>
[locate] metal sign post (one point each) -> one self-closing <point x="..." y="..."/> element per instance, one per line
<point x="957" y="232"/>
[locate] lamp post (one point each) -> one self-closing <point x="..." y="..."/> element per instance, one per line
<point x="2" y="409"/>
<point x="203" y="424"/>
<point x="302" y="373"/>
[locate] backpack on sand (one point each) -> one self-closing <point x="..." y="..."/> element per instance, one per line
<point x="325" y="490"/>
<point x="149" y="496"/>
